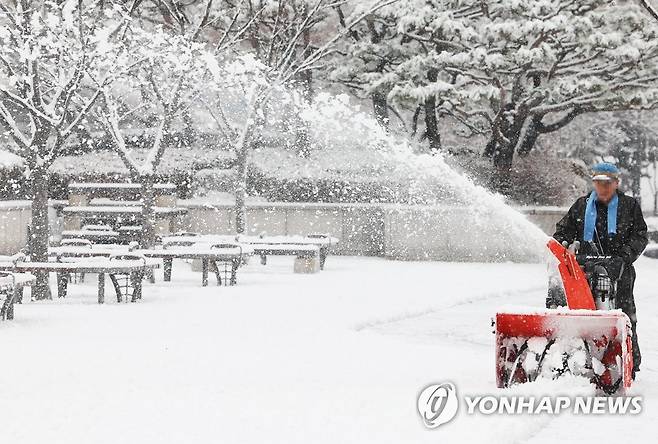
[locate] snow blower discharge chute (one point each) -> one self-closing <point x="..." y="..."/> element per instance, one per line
<point x="586" y="338"/>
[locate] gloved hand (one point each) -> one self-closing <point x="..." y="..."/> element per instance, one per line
<point x="615" y="268"/>
<point x="626" y="253"/>
<point x="574" y="247"/>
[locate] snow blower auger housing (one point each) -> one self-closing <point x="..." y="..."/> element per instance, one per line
<point x="577" y="339"/>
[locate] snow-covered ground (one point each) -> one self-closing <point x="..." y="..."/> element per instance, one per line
<point x="335" y="357"/>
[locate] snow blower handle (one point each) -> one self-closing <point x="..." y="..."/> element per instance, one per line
<point x="576" y="288"/>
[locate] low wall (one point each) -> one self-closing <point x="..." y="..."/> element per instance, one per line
<point x="14" y="220"/>
<point x="399" y="232"/>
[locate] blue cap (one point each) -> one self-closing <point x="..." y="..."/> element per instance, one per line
<point x="605" y="171"/>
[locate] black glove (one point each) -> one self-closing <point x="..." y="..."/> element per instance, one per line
<point x="626" y="253"/>
<point x="615" y="267"/>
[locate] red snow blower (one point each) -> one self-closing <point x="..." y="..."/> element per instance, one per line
<point x="586" y="338"/>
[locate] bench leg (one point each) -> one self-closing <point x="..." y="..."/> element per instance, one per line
<point x="167" y="264"/>
<point x="10" y="310"/>
<point x="7" y="309"/>
<point x="150" y="273"/>
<point x="263" y="259"/>
<point x="18" y="295"/>
<point x="101" y="288"/>
<point x="137" y="278"/>
<point x="117" y="287"/>
<point x="234" y="270"/>
<point x="62" y="283"/>
<point x="215" y="270"/>
<point x="324" y="252"/>
<point x="204" y="272"/>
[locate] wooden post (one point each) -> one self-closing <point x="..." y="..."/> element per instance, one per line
<point x="204" y="272"/>
<point x="167" y="264"/>
<point x="235" y="263"/>
<point x="137" y="277"/>
<point x="62" y="282"/>
<point x="101" y="288"/>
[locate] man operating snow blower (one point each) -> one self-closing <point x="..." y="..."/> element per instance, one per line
<point x="609" y="226"/>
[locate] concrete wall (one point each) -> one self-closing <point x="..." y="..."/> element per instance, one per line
<point x="400" y="232"/>
<point x="14" y="220"/>
<point x="360" y="228"/>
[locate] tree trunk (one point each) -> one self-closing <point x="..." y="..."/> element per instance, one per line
<point x="431" y="122"/>
<point x="148" y="212"/>
<point x="531" y="135"/>
<point x="39" y="231"/>
<point x="241" y="190"/>
<point x="432" y="125"/>
<point x="302" y="137"/>
<point x="380" y="108"/>
<point x="502" y="147"/>
<point x="636" y="169"/>
<point x="503" y="157"/>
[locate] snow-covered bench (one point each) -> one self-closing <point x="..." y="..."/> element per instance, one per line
<point x="231" y="256"/>
<point x="125" y="221"/>
<point x="94" y="234"/>
<point x="134" y="267"/>
<point x="7" y="295"/>
<point x="306" y="249"/>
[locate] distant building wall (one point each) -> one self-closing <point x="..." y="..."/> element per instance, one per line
<point x="399" y="232"/>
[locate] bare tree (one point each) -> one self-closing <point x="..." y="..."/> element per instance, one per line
<point x="172" y="73"/>
<point x="279" y="58"/>
<point x="47" y="54"/>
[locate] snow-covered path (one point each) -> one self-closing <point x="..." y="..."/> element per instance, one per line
<point x="334" y="357"/>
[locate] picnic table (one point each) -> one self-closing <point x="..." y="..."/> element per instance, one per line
<point x="314" y="245"/>
<point x="131" y="212"/>
<point x="126" y="220"/>
<point x="102" y="250"/>
<point x="11" y="291"/>
<point x="232" y="256"/>
<point x="95" y="236"/>
<point x="135" y="269"/>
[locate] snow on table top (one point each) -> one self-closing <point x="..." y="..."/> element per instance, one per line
<point x="95" y="250"/>
<point x="285" y="247"/>
<point x="123" y="185"/>
<point x="89" y="264"/>
<point x="191" y="252"/>
<point x="82" y="233"/>
<point x="23" y="279"/>
<point x="272" y="240"/>
<point x="132" y="209"/>
<point x="198" y="250"/>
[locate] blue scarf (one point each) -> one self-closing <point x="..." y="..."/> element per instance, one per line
<point x="590" y="216"/>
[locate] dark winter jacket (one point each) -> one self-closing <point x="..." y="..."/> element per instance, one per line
<point x="630" y="240"/>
